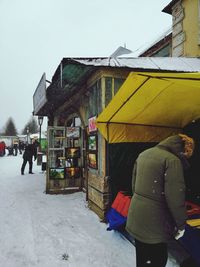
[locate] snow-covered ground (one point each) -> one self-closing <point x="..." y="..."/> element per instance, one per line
<point x="37" y="229"/>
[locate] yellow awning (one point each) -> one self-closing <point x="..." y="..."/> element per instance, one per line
<point x="151" y="106"/>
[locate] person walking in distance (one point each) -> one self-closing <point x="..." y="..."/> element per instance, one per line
<point x="21" y="146"/>
<point x="15" y="148"/>
<point x="29" y="153"/>
<point x="157" y="212"/>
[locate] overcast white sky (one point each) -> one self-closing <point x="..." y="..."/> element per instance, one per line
<point x="37" y="34"/>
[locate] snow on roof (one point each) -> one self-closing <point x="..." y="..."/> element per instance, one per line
<point x="157" y="40"/>
<point x="146" y="45"/>
<point x="179" y="64"/>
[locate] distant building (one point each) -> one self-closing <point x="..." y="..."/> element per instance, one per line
<point x="8" y="140"/>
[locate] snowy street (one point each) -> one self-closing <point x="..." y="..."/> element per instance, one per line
<point x="43" y="230"/>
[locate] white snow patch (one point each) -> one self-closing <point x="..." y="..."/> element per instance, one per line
<point x="37" y="229"/>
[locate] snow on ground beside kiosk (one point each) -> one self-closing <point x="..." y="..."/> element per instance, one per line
<point x="37" y="229"/>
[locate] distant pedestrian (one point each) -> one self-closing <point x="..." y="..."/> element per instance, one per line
<point x="10" y="150"/>
<point x="2" y="148"/>
<point x="157" y="212"/>
<point x="21" y="146"/>
<point x="15" y="148"/>
<point x="29" y="153"/>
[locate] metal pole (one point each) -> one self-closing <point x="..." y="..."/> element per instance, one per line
<point x="27" y="131"/>
<point x="40" y="121"/>
<point x="40" y="138"/>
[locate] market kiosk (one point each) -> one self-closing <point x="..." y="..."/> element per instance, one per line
<point x="148" y="108"/>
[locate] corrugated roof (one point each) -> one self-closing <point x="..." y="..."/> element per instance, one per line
<point x="179" y="64"/>
<point x="75" y="71"/>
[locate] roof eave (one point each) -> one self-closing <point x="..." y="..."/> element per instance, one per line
<point x="168" y="8"/>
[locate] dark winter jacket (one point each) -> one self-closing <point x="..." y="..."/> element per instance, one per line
<point x="30" y="151"/>
<point x="157" y="207"/>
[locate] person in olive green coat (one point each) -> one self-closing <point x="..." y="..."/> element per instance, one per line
<point x="157" y="211"/>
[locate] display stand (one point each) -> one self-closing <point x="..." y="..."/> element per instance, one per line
<point x="63" y="162"/>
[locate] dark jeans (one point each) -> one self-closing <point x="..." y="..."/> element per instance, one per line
<point x="151" y="255"/>
<point x="24" y="165"/>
